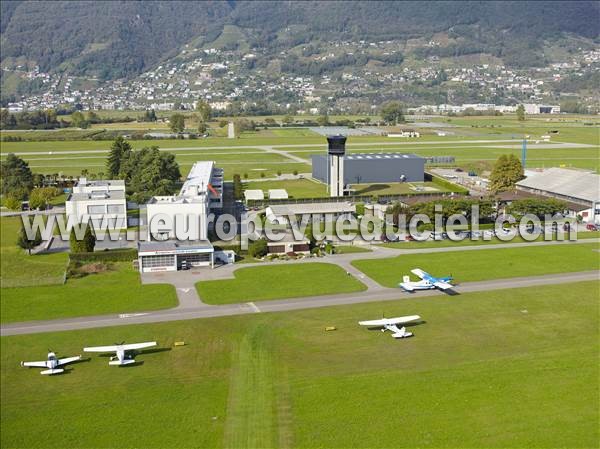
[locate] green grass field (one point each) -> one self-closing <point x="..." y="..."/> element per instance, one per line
<point x="278" y="282"/>
<point x="462" y="145"/>
<point x="296" y="188"/>
<point x="504" y="369"/>
<point x="486" y="263"/>
<point x="468" y="242"/>
<point x="94" y="294"/>
<point x="18" y="269"/>
<point x="350" y="249"/>
<point x="397" y="188"/>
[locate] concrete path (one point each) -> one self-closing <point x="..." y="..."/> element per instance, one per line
<point x="200" y="311"/>
<point x="187" y="278"/>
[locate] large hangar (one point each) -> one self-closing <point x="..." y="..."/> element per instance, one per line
<point x="366" y="168"/>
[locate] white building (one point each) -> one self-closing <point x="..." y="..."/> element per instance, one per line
<point x="98" y="186"/>
<point x="580" y="189"/>
<point x="105" y="209"/>
<point x="535" y="109"/>
<point x="169" y="217"/>
<point x="280" y="213"/>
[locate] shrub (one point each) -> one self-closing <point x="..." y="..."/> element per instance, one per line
<point x="258" y="248"/>
<point x="118" y="255"/>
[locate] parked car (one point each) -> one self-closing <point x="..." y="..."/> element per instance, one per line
<point x="591" y="227"/>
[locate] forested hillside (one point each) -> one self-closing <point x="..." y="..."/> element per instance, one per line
<point x="120" y="38"/>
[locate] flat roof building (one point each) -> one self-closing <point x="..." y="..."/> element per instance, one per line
<point x="367" y="168"/>
<point x="104" y="209"/>
<point x="254" y="194"/>
<point x="280" y="212"/>
<point x="183" y="217"/>
<point x="174" y="255"/>
<point x="92" y="186"/>
<point x="278" y="194"/>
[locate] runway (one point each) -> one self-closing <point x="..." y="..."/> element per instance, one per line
<point x="208" y="311"/>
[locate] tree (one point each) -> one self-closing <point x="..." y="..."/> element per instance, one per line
<point x="238" y="187"/>
<point x="391" y="112"/>
<point x="323" y="120"/>
<point x="85" y="245"/>
<point x="202" y="127"/>
<point x="41" y="196"/>
<point x="38" y="179"/>
<point x="537" y="207"/>
<point x="24" y="242"/>
<point x="288" y="119"/>
<point x="78" y="120"/>
<point x="240" y="125"/>
<point x="505" y="174"/>
<point x="149" y="172"/>
<point x="521" y="113"/>
<point x="149" y="116"/>
<point x="16" y="175"/>
<point x="12" y="202"/>
<point x="258" y="248"/>
<point x="177" y="123"/>
<point x="119" y="151"/>
<point x="203" y="110"/>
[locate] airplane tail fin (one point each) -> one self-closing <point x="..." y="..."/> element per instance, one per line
<point x="402" y="333"/>
<point x="124" y="362"/>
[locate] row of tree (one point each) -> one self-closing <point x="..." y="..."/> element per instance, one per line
<point x="201" y="117"/>
<point x="48" y="119"/>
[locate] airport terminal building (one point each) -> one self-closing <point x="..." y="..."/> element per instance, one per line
<point x="201" y="193"/>
<point x="367" y="168"/>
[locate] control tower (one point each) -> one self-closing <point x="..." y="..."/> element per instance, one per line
<point x="335" y="155"/>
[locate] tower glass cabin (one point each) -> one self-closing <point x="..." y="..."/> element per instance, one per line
<point x="335" y="153"/>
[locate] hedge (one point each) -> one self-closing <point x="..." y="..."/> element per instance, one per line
<point x="117" y="255"/>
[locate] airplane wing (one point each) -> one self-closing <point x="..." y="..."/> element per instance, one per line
<point x="403" y="319"/>
<point x="35" y="364"/>
<point x="139" y="345"/>
<point x="390" y="321"/>
<point x="101" y="349"/>
<point x="68" y="360"/>
<point x="382" y="322"/>
<point x="418" y="272"/>
<point x="443" y="285"/>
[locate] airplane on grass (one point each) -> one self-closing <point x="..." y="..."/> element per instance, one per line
<point x="427" y="282"/>
<point x="53" y="363"/>
<point x="121" y="358"/>
<point x="390" y="324"/>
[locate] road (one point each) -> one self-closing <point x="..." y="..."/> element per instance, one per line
<point x="191" y="307"/>
<point x="199" y="310"/>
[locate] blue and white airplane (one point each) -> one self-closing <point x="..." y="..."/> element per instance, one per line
<point x="427" y="282"/>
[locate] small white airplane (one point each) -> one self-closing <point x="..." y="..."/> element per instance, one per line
<point x="390" y="324"/>
<point x="427" y="282"/>
<point x="53" y="363"/>
<point x="121" y="358"/>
